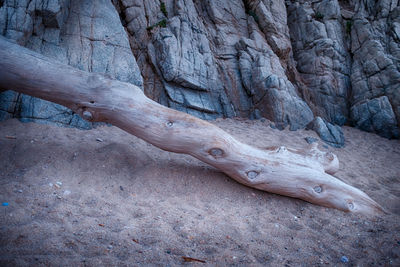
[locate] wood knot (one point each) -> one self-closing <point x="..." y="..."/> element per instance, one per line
<point x="330" y="156"/>
<point x="87" y="115"/>
<point x="252" y="174"/>
<point x="216" y="152"/>
<point x="350" y="205"/>
<point x="318" y="189"/>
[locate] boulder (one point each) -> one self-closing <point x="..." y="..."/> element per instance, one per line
<point x="376" y="115"/>
<point x="329" y="133"/>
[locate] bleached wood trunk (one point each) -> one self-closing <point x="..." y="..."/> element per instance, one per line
<point x="299" y="174"/>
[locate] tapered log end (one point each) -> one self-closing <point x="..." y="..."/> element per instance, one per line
<point x="321" y="189"/>
<point x="350" y="199"/>
<point x="363" y="204"/>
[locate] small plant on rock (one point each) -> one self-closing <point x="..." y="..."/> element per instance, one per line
<point x="254" y="15"/>
<point x="319" y="16"/>
<point x="349" y="24"/>
<point x="162" y="24"/>
<point x="163" y="8"/>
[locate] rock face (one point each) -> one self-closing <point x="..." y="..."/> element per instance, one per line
<point x="287" y="61"/>
<point x="322" y="56"/>
<point x="375" y="77"/>
<point x="85" y="34"/>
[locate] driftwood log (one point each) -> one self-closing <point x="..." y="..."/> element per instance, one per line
<point x="300" y="174"/>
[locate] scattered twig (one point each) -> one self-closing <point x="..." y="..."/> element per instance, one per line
<point x="10" y="137"/>
<point x="189" y="259"/>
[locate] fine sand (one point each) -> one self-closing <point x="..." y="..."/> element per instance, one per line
<point x="106" y="198"/>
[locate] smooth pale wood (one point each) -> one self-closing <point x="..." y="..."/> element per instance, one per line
<point x="300" y="174"/>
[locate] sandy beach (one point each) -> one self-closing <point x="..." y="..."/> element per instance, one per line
<point x="104" y="197"/>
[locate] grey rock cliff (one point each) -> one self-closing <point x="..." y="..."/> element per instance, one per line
<point x="288" y="61"/>
<point x="375" y="44"/>
<point x="322" y="56"/>
<point x="85" y="34"/>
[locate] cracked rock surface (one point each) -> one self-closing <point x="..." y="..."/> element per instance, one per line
<point x="84" y="34"/>
<point x="288" y="61"/>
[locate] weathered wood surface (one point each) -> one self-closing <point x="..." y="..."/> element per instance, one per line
<point x="299" y="174"/>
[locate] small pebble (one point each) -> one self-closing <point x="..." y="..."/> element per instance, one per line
<point x="4" y="204"/>
<point x="120" y="187"/>
<point x="109" y="247"/>
<point x="19" y="191"/>
<point x="99" y="140"/>
<point x="51" y="184"/>
<point x="58" y="197"/>
<point x="67" y="192"/>
<point x="344" y="259"/>
<point x="59" y="183"/>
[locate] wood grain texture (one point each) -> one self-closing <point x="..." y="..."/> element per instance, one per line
<point x="302" y="174"/>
